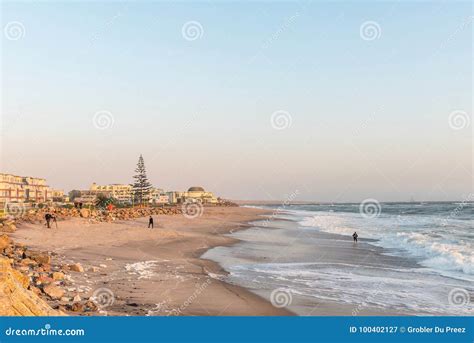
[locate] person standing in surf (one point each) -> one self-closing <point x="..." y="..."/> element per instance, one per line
<point x="355" y="235"/>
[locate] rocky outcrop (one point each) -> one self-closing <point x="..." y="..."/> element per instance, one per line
<point x="7" y="226"/>
<point x="15" y="298"/>
<point x="31" y="282"/>
<point x="92" y="215"/>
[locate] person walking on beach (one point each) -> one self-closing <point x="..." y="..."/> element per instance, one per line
<point x="48" y="218"/>
<point x="355" y="235"/>
<point x="150" y="222"/>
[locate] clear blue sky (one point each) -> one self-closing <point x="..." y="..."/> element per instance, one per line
<point x="369" y="118"/>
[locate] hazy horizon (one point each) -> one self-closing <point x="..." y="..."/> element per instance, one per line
<point x="318" y="101"/>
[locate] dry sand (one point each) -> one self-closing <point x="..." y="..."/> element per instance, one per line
<point x="154" y="271"/>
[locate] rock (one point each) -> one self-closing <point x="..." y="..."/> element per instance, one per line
<point x="41" y="258"/>
<point x="43" y="280"/>
<point x="77" y="307"/>
<point x="9" y="251"/>
<point x="85" y="213"/>
<point x="28" y="262"/>
<point x="91" y="306"/>
<point x="77" y="298"/>
<point x="93" y="269"/>
<point x="8" y="227"/>
<point x="21" y="278"/>
<point x="53" y="291"/>
<point x="77" y="267"/>
<point x="58" y="276"/>
<point x="16" y="299"/>
<point x="35" y="290"/>
<point x="102" y="265"/>
<point x="4" y="241"/>
<point x="23" y="269"/>
<point x="65" y="299"/>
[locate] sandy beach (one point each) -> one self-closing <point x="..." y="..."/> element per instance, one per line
<point x="153" y="271"/>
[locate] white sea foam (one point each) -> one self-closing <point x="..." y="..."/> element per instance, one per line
<point x="401" y="290"/>
<point x="143" y="269"/>
<point x="437" y="236"/>
<point x="445" y="249"/>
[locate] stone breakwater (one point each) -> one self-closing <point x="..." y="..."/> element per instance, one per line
<point x="36" y="216"/>
<point x="31" y="284"/>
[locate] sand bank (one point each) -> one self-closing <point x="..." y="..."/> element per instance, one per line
<point x="153" y="271"/>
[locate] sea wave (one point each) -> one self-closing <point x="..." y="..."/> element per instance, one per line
<point x="445" y="248"/>
<point x="405" y="290"/>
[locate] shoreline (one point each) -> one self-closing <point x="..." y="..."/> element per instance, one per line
<point x="326" y="274"/>
<point x="153" y="272"/>
<point x="298" y="307"/>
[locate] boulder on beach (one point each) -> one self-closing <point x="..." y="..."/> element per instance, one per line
<point x="4" y="241"/>
<point x="53" y="291"/>
<point x="8" y="226"/>
<point x="85" y="213"/>
<point x="40" y="257"/>
<point x="76" y="267"/>
<point x="16" y="299"/>
<point x="58" y="276"/>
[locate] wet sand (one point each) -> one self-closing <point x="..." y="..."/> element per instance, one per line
<point x="154" y="271"/>
<point x="278" y="241"/>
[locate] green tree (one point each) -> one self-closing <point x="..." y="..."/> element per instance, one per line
<point x="141" y="188"/>
<point x="103" y="201"/>
<point x="74" y="194"/>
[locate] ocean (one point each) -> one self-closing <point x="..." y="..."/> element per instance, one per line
<point x="411" y="258"/>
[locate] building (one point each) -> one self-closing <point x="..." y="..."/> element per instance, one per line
<point x="90" y="197"/>
<point x="59" y="196"/>
<point x="122" y="193"/>
<point x="193" y="194"/>
<point x="14" y="188"/>
<point x="159" y="197"/>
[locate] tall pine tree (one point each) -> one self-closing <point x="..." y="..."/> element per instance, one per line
<point x="141" y="188"/>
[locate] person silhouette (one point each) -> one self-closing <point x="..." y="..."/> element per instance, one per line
<point x="355" y="235"/>
<point x="150" y="222"/>
<point x="48" y="218"/>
